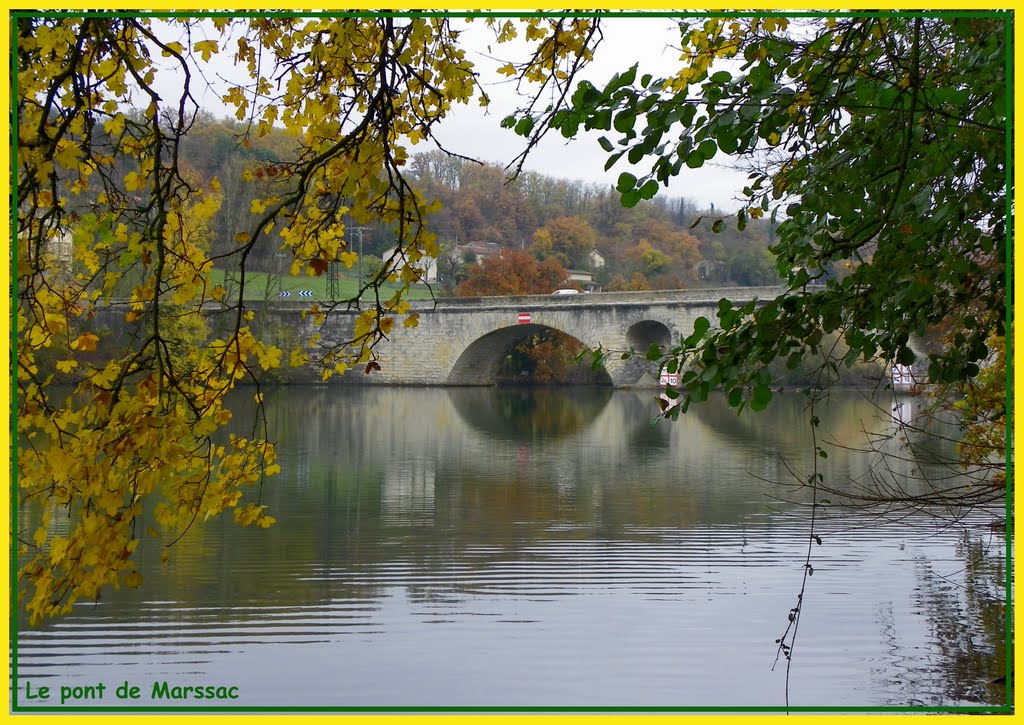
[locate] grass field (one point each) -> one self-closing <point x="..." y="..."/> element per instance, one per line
<point x="261" y="286"/>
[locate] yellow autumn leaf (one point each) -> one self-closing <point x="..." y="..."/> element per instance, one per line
<point x="171" y="48"/>
<point x="206" y="47"/>
<point x="85" y="343"/>
<point x="132" y="182"/>
<point x="58" y="547"/>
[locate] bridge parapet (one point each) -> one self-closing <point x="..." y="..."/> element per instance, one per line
<point x="700" y="297"/>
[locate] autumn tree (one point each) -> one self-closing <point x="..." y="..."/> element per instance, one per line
<point x="99" y="145"/>
<point x="568" y="239"/>
<point x="513" y="272"/>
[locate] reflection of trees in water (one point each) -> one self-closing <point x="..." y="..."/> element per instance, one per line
<point x="968" y="622"/>
<point x="529" y="413"/>
<point x="548" y="357"/>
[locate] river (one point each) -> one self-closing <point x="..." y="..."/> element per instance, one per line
<point x="547" y="548"/>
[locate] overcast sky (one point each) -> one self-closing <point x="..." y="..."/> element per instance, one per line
<point x="651" y="42"/>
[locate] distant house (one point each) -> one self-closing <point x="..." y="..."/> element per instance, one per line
<point x="584" y="279"/>
<point x="710" y="269"/>
<point x="595" y="259"/>
<point x="426" y="266"/>
<point x="60" y="247"/>
<point x="478" y="250"/>
<point x="57" y="248"/>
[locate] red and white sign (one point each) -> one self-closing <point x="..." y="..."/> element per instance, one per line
<point x="524" y="318"/>
<point x="668" y="378"/>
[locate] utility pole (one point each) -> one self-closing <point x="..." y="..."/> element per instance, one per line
<point x="334" y="270"/>
<point x="333" y="273"/>
<point x="360" y="230"/>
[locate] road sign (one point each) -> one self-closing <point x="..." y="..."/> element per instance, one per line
<point x="524" y="318"/>
<point x="668" y="378"/>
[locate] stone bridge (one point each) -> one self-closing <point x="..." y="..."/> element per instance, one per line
<point x="463" y="341"/>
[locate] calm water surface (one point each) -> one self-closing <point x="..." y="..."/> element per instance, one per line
<point x="481" y="547"/>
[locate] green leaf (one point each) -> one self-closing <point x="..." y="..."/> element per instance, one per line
<point x="649" y="189"/>
<point x="626" y="182"/>
<point x="761" y="396"/>
<point x="601" y="120"/>
<point x="631" y="198"/>
<point x="654" y="352"/>
<point x="629" y="76"/>
<point x="728" y="142"/>
<point x="524" y="126"/>
<point x="606" y="144"/>
<point x="625" y="120"/>
<point x="687" y="114"/>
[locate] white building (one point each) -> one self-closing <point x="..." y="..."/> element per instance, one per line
<point x="426" y="266"/>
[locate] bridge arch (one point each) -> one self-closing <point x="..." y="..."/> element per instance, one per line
<point x="641" y="335"/>
<point x="480" y="362"/>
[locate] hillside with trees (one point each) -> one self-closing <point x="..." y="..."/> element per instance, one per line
<point x="656" y="245"/>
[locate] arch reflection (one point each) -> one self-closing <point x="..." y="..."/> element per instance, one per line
<point x="529" y="413"/>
